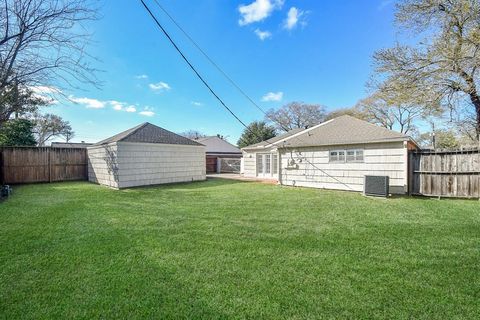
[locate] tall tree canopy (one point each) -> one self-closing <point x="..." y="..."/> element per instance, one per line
<point x="17" y="132"/>
<point x="442" y="68"/>
<point x="256" y="131"/>
<point x="295" y="115"/>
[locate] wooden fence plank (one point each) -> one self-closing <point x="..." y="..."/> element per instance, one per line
<point x="42" y="164"/>
<point x="448" y="173"/>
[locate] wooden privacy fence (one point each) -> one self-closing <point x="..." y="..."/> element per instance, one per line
<point x="451" y="173"/>
<point x="42" y="164"/>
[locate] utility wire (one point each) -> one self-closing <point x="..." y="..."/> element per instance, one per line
<point x="213" y="63"/>
<point x="210" y="88"/>
<point x="190" y="65"/>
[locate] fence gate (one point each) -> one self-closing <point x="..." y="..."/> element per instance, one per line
<point x="228" y="165"/>
<point x="448" y="173"/>
<point x="42" y="164"/>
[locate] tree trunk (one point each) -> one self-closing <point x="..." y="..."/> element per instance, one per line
<point x="476" y="103"/>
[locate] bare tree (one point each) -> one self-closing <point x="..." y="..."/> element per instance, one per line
<point x="42" y="43"/>
<point x="355" y="112"/>
<point x="389" y="110"/>
<point x="48" y="126"/>
<point x="445" y="63"/>
<point x="193" y="134"/>
<point x="296" y="115"/>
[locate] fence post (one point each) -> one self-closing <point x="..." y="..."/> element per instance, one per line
<point x="49" y="165"/>
<point x="2" y="173"/>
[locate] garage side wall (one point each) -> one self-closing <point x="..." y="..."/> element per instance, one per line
<point x="311" y="167"/>
<point x="143" y="164"/>
<point x="103" y="165"/>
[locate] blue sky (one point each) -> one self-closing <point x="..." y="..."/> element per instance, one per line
<point x="278" y="51"/>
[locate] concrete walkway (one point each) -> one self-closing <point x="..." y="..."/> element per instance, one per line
<point x="236" y="176"/>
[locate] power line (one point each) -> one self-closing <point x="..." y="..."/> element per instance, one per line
<point x="213" y="63"/>
<point x="211" y="90"/>
<point x="191" y="66"/>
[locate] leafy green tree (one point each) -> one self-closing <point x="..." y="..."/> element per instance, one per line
<point x="442" y="139"/>
<point x="17" y="132"/>
<point x="256" y="131"/>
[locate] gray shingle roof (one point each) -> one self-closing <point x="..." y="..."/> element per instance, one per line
<point x="149" y="133"/>
<point x="344" y="130"/>
<point x="338" y="131"/>
<point x="214" y="144"/>
<point x="269" y="142"/>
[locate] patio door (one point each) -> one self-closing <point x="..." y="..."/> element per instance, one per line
<point x="267" y="165"/>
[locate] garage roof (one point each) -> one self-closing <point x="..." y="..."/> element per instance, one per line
<point x="216" y="145"/>
<point x="149" y="133"/>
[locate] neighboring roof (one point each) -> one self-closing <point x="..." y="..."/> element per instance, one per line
<point x="269" y="142"/>
<point x="149" y="133"/>
<point x="70" y="144"/>
<point x="214" y="144"/>
<point x="341" y="131"/>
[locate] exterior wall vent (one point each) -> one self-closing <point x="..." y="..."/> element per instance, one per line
<point x="377" y="186"/>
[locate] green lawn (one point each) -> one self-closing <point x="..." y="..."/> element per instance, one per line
<point x="225" y="249"/>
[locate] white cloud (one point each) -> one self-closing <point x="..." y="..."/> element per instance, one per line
<point x="258" y="10"/>
<point x="197" y="103"/>
<point x="88" y="102"/>
<point x="131" y="108"/>
<point x="273" y="96"/>
<point x="262" y="35"/>
<point x="159" y="86"/>
<point x="141" y="76"/>
<point x="45" y="93"/>
<point x="116" y="105"/>
<point x="147" y="111"/>
<point x="294" y="16"/>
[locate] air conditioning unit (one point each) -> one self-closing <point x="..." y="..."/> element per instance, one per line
<point x="376" y="186"/>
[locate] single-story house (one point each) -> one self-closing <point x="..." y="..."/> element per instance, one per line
<point x="336" y="154"/>
<point x="82" y="144"/>
<point x="145" y="155"/>
<point x="216" y="148"/>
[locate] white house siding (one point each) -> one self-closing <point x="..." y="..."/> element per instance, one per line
<point x="103" y="165"/>
<point x="150" y="163"/>
<point x="249" y="167"/>
<point x="312" y="167"/>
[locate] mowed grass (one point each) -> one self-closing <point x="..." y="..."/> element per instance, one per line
<point x="226" y="249"/>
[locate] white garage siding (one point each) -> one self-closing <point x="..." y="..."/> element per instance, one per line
<point x="103" y="165"/>
<point x="312" y="168"/>
<point x="151" y="163"/>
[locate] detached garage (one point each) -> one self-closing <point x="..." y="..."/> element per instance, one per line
<point x="145" y="155"/>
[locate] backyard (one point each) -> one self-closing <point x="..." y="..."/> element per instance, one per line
<point x="229" y="249"/>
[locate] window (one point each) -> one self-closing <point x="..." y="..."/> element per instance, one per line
<point x="267" y="163"/>
<point x="259" y="163"/>
<point x="337" y="156"/>
<point x="346" y="155"/>
<point x="354" y="155"/>
<point x="274" y="164"/>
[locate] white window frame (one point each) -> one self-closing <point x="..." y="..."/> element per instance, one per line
<point x="261" y="167"/>
<point x="337" y="160"/>
<point x="345" y="159"/>
<point x="355" y="156"/>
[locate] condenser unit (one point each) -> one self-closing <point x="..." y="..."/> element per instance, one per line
<point x="376" y="186"/>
